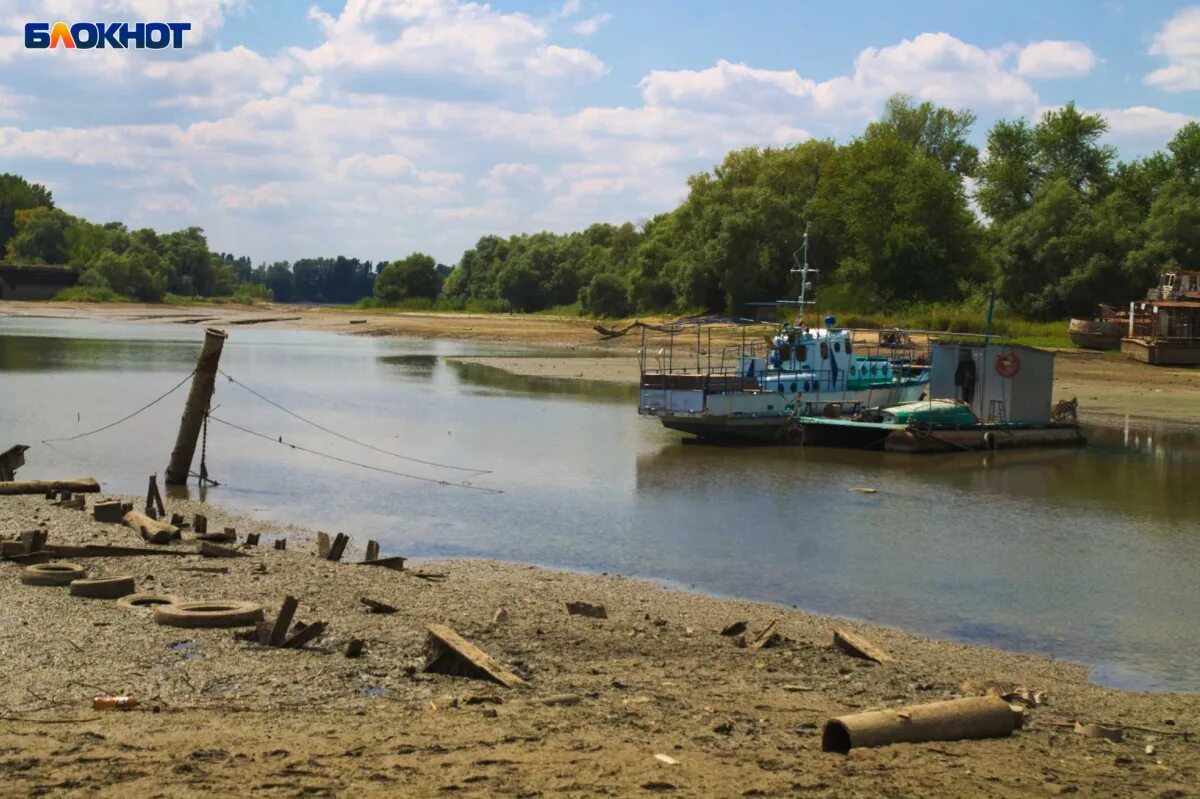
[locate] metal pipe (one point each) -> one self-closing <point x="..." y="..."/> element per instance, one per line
<point x="953" y="720"/>
<point x="203" y="382"/>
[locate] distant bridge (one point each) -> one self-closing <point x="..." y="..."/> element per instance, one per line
<point x="34" y="282"/>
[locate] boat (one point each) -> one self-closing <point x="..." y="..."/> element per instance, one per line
<point x="751" y="393"/>
<point x="1103" y="332"/>
<point x="1165" y="327"/>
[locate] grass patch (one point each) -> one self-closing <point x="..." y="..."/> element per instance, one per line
<point x="90" y="294"/>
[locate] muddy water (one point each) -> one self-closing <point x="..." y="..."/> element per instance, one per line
<point x="1090" y="555"/>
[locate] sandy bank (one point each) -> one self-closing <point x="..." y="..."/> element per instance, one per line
<point x="1109" y="386"/>
<point x="226" y="717"/>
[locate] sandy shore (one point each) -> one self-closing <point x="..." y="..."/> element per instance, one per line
<point x="229" y="717"/>
<point x="1109" y="386"/>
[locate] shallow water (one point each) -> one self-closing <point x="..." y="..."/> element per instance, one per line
<point x="1089" y="555"/>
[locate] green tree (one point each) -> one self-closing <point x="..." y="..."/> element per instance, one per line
<point x="40" y="236"/>
<point x="940" y="133"/>
<point x="605" y="295"/>
<point x="518" y="285"/>
<point x="18" y="194"/>
<point x="411" y="277"/>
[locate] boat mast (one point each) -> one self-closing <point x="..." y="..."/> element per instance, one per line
<point x="802" y="269"/>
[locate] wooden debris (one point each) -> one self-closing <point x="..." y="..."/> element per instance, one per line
<point x="100" y="551"/>
<point x="764" y="638"/>
<point x="304" y="636"/>
<point x="283" y="621"/>
<point x="281" y="543"/>
<point x="224" y="537"/>
<point x="252" y="539"/>
<point x="500" y="616"/>
<point x="372" y="551"/>
<point x="393" y="562"/>
<point x="354" y="648"/>
<point x="447" y="652"/>
<point x="110" y="511"/>
<point x="376" y="606"/>
<point x="12" y="459"/>
<point x="860" y="647"/>
<point x="199" y="524"/>
<point x="737" y="628"/>
<point x="1114" y="734"/>
<point x="338" y="546"/>
<point x="154" y="502"/>
<point x="322" y="545"/>
<point x="208" y="550"/>
<point x="78" y="502"/>
<point x="432" y="577"/>
<point x="86" y="485"/>
<point x="262" y="632"/>
<point x="152" y="530"/>
<point x="587" y="609"/>
<point x="559" y="700"/>
<point x="205" y="569"/>
<point x="33" y="541"/>
<point x="177" y="520"/>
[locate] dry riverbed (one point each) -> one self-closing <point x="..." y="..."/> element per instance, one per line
<point x="226" y="717"/>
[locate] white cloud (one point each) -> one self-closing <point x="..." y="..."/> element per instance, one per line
<point x="221" y="78"/>
<point x="1056" y="59"/>
<point x="587" y="27"/>
<point x="1141" y="129"/>
<point x="443" y="39"/>
<point x="505" y="179"/>
<point x="1179" y="43"/>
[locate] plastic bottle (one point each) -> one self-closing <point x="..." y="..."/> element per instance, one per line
<point x="114" y="703"/>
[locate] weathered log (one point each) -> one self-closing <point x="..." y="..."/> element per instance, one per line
<point x="301" y="638"/>
<point x="208" y="550"/>
<point x="764" y="638"/>
<point x="203" y="381"/>
<point x="372" y="551"/>
<point x="86" y="485"/>
<point x="99" y="551"/>
<point x="953" y="720"/>
<point x="394" y="562"/>
<point x="283" y="622"/>
<point x="338" y="547"/>
<point x="152" y="530"/>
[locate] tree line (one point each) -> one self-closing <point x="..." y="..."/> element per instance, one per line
<point x="909" y="212"/>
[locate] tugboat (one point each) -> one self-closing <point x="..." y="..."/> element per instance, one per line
<point x="1104" y="332"/>
<point x="800" y="370"/>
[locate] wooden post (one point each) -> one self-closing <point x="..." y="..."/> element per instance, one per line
<point x="199" y="396"/>
<point x="154" y="502"/>
<point x="199" y="524"/>
<point x="372" y="550"/>
<point x="322" y="544"/>
<point x="283" y="622"/>
<point x="338" y="547"/>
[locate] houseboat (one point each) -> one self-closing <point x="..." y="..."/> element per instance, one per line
<point x="1165" y="327"/>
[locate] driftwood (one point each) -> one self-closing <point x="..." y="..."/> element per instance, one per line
<point x="614" y="332"/>
<point x="304" y="636"/>
<point x="154" y="502"/>
<point x="85" y="485"/>
<point x="768" y="635"/>
<point x="394" y="562"/>
<point x="98" y="551"/>
<point x="208" y="550"/>
<point x="283" y="622"/>
<point x="953" y="720"/>
<point x="376" y="606"/>
<point x="860" y="647"/>
<point x="372" y="551"/>
<point x="154" y="531"/>
<point x="338" y="547"/>
<point x="447" y="652"/>
<point x="586" y="609"/>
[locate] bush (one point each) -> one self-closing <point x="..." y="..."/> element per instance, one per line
<point x="409" y="278"/>
<point x="605" y="296"/>
<point x="90" y="294"/>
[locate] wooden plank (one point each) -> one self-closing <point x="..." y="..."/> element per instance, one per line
<point x="860" y="647"/>
<point x="322" y="544"/>
<point x="338" y="547"/>
<point x="199" y="524"/>
<point x="86" y="485"/>
<point x="252" y="539"/>
<point x="394" y="562"/>
<point x="208" y="550"/>
<point x="372" y="550"/>
<point x="154" y="502"/>
<point x="283" y="622"/>
<point x="281" y="543"/>
<point x="768" y="634"/>
<point x="111" y="511"/>
<point x="152" y="530"/>
<point x="376" y="606"/>
<point x="100" y="551"/>
<point x="304" y="636"/>
<point x="447" y="652"/>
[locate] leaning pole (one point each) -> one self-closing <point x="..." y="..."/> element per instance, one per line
<point x="203" y="382"/>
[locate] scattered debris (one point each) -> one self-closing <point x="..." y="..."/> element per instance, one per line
<point x="863" y="490"/>
<point x="86" y="485"/>
<point x="859" y="647"/>
<point x="354" y="649"/>
<point x="205" y="569"/>
<point x="670" y="761"/>
<point x="795" y="689"/>
<point x="394" y="562"/>
<point x="216" y="613"/>
<point x="103" y="587"/>
<point x="199" y="524"/>
<point x="281" y="543"/>
<point x="304" y="636"/>
<point x="559" y="700"/>
<point x="500" y="616"/>
<point x="154" y="502"/>
<point x="737" y="628"/>
<point x="114" y="703"/>
<point x="766" y="637"/>
<point x="372" y="551"/>
<point x="447" y="652"/>
<point x="151" y="530"/>
<point x="208" y="550"/>
<point x="252" y="539"/>
<point x="376" y="606"/>
<point x="587" y="609"/>
<point x="283" y="621"/>
<point x="322" y="544"/>
<point x="338" y="547"/>
<point x="1114" y="734"/>
<point x="11" y="459"/>
<point x="952" y="720"/>
<point x="110" y="511"/>
<point x="57" y="573"/>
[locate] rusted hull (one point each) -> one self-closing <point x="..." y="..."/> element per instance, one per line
<point x="1094" y="335"/>
<point x="983" y="439"/>
<point x="1162" y="353"/>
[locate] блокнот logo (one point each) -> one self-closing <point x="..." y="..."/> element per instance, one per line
<point x="99" y="35"/>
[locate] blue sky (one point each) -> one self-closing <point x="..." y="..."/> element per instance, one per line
<point x="373" y="128"/>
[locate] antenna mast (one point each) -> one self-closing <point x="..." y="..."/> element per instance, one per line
<point x="803" y="269"/>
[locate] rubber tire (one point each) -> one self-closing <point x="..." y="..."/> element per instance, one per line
<point x="146" y="601"/>
<point x="58" y="572"/>
<point x="215" y="613"/>
<point x="103" y="587"/>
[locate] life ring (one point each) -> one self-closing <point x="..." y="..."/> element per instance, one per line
<point x="1008" y="364"/>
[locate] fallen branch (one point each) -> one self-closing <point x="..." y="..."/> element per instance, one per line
<point x="81" y="485"/>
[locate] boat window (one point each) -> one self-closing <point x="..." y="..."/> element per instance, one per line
<point x="824" y="351"/>
<point x="837" y="346"/>
<point x="801" y="352"/>
<point x="793" y="387"/>
<point x="806" y="385"/>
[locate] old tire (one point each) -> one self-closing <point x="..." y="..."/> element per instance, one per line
<point x="54" y="573"/>
<point x="103" y="587"/>
<point x="147" y="601"/>
<point x="216" y="613"/>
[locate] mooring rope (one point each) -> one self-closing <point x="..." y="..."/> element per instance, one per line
<point x="279" y="440"/>
<point x="124" y="418"/>
<point x="336" y="434"/>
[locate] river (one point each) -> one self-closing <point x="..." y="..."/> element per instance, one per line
<point x="1091" y="555"/>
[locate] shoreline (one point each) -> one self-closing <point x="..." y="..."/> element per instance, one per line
<point x="1109" y="386"/>
<point x="655" y="676"/>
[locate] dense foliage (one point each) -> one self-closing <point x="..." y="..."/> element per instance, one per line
<point x="1059" y="225"/>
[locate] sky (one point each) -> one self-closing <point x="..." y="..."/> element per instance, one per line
<point x="376" y="128"/>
